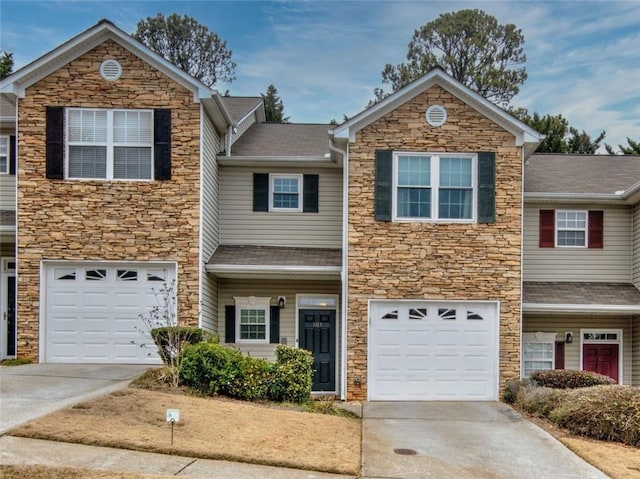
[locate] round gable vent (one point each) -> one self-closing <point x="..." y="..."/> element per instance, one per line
<point x="436" y="115"/>
<point x="110" y="70"/>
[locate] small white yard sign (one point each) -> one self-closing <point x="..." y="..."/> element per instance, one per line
<point x="173" y="415"/>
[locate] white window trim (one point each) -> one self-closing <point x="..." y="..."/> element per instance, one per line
<point x="110" y="145"/>
<point x="272" y="179"/>
<point x="435" y="187"/>
<point x="586" y="229"/>
<point x="619" y="342"/>
<point x="253" y="302"/>
<point x="8" y="155"/>
<point x="539" y="338"/>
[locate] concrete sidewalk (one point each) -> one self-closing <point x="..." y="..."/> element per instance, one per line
<point x="17" y="450"/>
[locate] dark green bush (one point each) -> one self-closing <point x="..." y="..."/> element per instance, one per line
<point x="293" y="375"/>
<point x="602" y="412"/>
<point x="170" y="340"/>
<point x="210" y="368"/>
<point x="569" y="379"/>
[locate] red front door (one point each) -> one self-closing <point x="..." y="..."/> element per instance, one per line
<point x="601" y="358"/>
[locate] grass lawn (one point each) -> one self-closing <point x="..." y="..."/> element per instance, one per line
<point x="209" y="428"/>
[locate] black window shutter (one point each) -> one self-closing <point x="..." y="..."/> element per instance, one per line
<point x="274" y="324"/>
<point x="55" y="142"/>
<point x="310" y="193"/>
<point x="260" y="192"/>
<point x="162" y="144"/>
<point x="383" y="190"/>
<point x="486" y="187"/>
<point x="230" y="324"/>
<point x="12" y="155"/>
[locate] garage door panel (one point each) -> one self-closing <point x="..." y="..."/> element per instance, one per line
<point x="433" y="351"/>
<point x="93" y="311"/>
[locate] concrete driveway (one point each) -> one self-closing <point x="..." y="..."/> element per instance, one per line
<point x="32" y="390"/>
<point x="407" y="440"/>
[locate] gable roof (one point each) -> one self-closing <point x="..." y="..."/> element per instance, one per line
<point x="19" y="81"/>
<point x="558" y="175"/>
<point x="283" y="140"/>
<point x="525" y="135"/>
<point x="240" y="106"/>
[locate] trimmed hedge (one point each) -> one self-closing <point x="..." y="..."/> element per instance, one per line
<point x="539" y="400"/>
<point x="569" y="379"/>
<point x="213" y="369"/>
<point x="170" y="340"/>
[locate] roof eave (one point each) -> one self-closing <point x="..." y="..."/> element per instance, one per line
<point x="580" y="308"/>
<point x="270" y="160"/>
<point x="601" y="198"/>
<point x="252" y="271"/>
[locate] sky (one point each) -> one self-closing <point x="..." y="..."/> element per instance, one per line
<point x="326" y="57"/>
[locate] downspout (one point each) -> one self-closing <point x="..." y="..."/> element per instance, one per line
<point x="344" y="277"/>
<point x="227" y="147"/>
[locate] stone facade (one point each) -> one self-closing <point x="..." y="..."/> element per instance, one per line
<point x="409" y="260"/>
<point x="106" y="220"/>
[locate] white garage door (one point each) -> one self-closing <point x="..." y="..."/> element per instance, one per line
<point x="93" y="311"/>
<point x="425" y="351"/>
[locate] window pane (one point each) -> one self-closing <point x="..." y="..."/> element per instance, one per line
<point x="4" y="154"/>
<point x="132" y="127"/>
<point x="4" y="165"/>
<point x="571" y="238"/>
<point x="455" y="172"/>
<point x="455" y="204"/>
<point x="87" y="162"/>
<point x="414" y="202"/>
<point x="87" y="126"/>
<point x="132" y="163"/>
<point x="253" y="324"/>
<point x="285" y="193"/>
<point x="414" y="171"/>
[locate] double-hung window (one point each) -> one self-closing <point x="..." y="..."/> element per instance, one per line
<point x="433" y="187"/>
<point x="571" y="228"/>
<point x="109" y="144"/>
<point x="286" y="192"/>
<point x="4" y="155"/>
<point x="252" y="319"/>
<point x="538" y="352"/>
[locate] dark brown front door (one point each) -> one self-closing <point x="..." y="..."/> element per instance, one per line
<point x="318" y="335"/>
<point x="601" y="358"/>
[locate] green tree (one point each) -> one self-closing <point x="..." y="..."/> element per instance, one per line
<point x="581" y="142"/>
<point x="6" y="64"/>
<point x="273" y="106"/>
<point x="189" y="45"/>
<point x="472" y="47"/>
<point x="632" y="149"/>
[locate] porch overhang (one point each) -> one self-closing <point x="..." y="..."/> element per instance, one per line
<point x="256" y="262"/>
<point x="580" y="297"/>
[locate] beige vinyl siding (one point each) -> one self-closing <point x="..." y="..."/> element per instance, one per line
<point x="7" y="192"/>
<point x="210" y="223"/>
<point x="274" y="288"/>
<point x="609" y="264"/>
<point x="533" y="323"/>
<point x="636" y="245"/>
<point x="240" y="225"/>
<point x="635" y="352"/>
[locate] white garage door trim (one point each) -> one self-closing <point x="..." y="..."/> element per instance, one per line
<point x="112" y="339"/>
<point x="447" y="354"/>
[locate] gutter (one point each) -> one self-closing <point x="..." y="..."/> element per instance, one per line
<point x="580" y="308"/>
<point x="345" y="258"/>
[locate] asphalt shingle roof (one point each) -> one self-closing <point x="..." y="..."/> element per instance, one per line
<point x="275" y="256"/>
<point x="596" y="174"/>
<point x="620" y="294"/>
<point x="239" y="106"/>
<point x="283" y="139"/>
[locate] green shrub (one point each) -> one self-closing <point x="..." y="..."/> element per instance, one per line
<point x="170" y="340"/>
<point x="210" y="368"/>
<point x="602" y="412"/>
<point x="252" y="382"/>
<point x="569" y="379"/>
<point x="538" y="400"/>
<point x="292" y="375"/>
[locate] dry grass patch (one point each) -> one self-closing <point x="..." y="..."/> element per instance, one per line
<point x="48" y="472"/>
<point x="208" y="428"/>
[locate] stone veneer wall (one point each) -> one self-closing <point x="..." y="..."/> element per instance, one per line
<point x="106" y="220"/>
<point x="429" y="260"/>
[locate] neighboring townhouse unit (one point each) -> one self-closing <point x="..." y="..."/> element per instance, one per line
<point x="390" y="246"/>
<point x="581" y="260"/>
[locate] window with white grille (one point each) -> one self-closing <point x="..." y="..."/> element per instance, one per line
<point x="109" y="144"/>
<point x="4" y="154"/>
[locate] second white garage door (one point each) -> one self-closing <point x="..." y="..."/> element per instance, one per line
<point x="93" y="311"/>
<point x="426" y="350"/>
